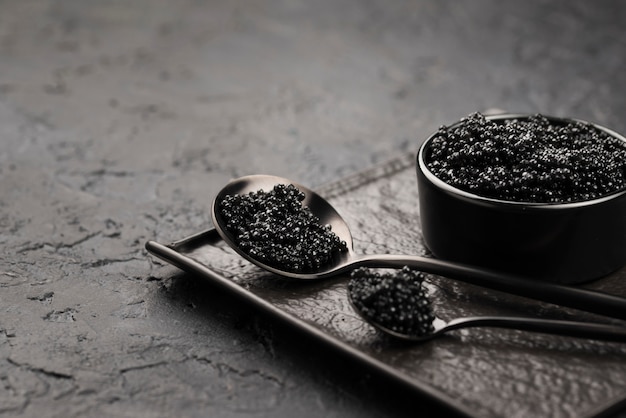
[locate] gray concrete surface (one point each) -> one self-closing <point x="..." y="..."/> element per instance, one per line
<point x="119" y="120"/>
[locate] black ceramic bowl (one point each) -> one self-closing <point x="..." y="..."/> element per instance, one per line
<point x="563" y="242"/>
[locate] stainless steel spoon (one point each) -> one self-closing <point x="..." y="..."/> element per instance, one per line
<point x="590" y="301"/>
<point x="593" y="331"/>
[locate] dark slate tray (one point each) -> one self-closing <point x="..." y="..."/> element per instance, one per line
<point x="478" y="372"/>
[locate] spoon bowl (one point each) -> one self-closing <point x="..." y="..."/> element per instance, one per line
<point x="319" y="206"/>
<point x="577" y="298"/>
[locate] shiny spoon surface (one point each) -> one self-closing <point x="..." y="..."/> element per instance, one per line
<point x="573" y="297"/>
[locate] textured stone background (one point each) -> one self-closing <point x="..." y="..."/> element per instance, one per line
<point x="119" y="120"/>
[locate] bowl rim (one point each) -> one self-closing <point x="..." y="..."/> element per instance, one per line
<point x="422" y="167"/>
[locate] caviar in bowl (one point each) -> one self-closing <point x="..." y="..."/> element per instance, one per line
<point x="533" y="195"/>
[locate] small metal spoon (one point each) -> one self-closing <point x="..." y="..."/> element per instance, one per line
<point x="577" y="329"/>
<point x="572" y="297"/>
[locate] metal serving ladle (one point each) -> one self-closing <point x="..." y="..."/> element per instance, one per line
<point x="590" y="301"/>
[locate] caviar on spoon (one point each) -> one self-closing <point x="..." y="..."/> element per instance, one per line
<point x="342" y="257"/>
<point x="398" y="305"/>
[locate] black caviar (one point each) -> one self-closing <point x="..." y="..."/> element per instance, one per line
<point x="396" y="301"/>
<point x="534" y="159"/>
<point x="276" y="229"/>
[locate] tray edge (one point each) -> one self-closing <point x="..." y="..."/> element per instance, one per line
<point x="170" y="253"/>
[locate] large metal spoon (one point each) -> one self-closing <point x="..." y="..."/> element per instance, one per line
<point x="572" y="297"/>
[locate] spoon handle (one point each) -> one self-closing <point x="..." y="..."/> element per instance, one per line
<point x="588" y="330"/>
<point x="572" y="297"/>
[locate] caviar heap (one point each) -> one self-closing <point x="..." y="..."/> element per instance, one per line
<point x="277" y="230"/>
<point x="396" y="301"/>
<point x="528" y="160"/>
